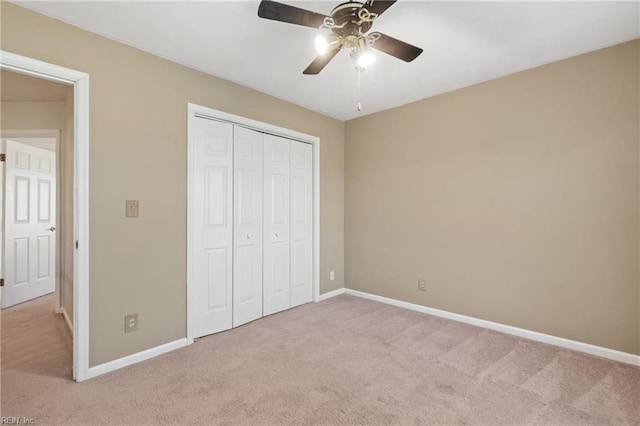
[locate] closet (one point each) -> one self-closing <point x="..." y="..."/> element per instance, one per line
<point x="252" y="224"/>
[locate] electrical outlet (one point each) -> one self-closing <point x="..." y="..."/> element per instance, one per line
<point x="332" y="275"/>
<point x="130" y="323"/>
<point x="422" y="284"/>
<point x="132" y="208"/>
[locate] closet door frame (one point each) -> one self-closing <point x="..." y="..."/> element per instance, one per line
<point x="194" y="111"/>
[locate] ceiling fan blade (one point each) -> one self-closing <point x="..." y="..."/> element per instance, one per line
<point x="293" y="15"/>
<point x="378" y="6"/>
<point x="320" y="62"/>
<point x="397" y="48"/>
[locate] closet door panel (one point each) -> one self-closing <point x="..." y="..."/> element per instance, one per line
<point x="212" y="226"/>
<point x="247" y="204"/>
<point x="277" y="212"/>
<point x="301" y="223"/>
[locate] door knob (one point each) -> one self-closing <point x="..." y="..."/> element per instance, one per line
<point x="53" y="228"/>
<point x="277" y="235"/>
<point x="248" y="237"/>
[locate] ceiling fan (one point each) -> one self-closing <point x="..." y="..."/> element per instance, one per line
<point x="347" y="28"/>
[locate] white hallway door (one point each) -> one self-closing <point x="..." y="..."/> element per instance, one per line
<point x="251" y="225"/>
<point x="29" y="214"/>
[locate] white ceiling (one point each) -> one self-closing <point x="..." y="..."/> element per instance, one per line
<point x="465" y="43"/>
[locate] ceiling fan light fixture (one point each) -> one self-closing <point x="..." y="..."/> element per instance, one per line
<point x="362" y="56"/>
<point x="321" y="44"/>
<point x="325" y="43"/>
<point x="366" y="58"/>
<point x="348" y="26"/>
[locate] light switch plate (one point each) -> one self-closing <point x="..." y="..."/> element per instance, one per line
<point x="132" y="208"/>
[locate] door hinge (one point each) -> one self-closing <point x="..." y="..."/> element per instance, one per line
<point x="76" y="245"/>
<point x="1" y="282"/>
<point x="3" y="157"/>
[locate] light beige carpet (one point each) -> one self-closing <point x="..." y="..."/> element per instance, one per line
<point x="341" y="361"/>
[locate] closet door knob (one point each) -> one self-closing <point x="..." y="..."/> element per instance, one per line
<point x="277" y="235"/>
<point x="248" y="237"/>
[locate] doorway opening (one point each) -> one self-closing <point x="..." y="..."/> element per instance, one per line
<point x="45" y="230"/>
<point x="36" y="213"/>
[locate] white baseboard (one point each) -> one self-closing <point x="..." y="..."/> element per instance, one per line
<point x="63" y="311"/>
<point x="331" y="294"/>
<point x="135" y="358"/>
<point x="520" y="332"/>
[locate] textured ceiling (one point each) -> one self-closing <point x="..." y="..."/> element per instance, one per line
<point x="465" y="43"/>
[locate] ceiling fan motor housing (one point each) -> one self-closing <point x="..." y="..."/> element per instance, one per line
<point x="347" y="23"/>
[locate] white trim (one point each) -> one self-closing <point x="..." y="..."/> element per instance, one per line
<point x="36" y="133"/>
<point x="190" y="226"/>
<point x="126" y="361"/>
<point x="247" y="122"/>
<point x="63" y="311"/>
<point x="80" y="82"/>
<point x="46" y="133"/>
<point x="39" y="69"/>
<point x="194" y="110"/>
<point x="81" y="228"/>
<point x="316" y="219"/>
<point x="330" y="294"/>
<point x="515" y="331"/>
<point x="190" y="201"/>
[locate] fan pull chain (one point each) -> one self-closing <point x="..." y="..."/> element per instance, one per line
<point x="359" y="105"/>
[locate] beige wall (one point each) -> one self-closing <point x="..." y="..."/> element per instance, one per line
<point x="32" y="115"/>
<point x="516" y="199"/>
<point x="138" y="128"/>
<point x="65" y="188"/>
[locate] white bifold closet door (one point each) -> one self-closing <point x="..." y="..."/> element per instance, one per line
<point x="251" y="225"/>
<point x="301" y="223"/>
<point x="212" y="227"/>
<point x="277" y="224"/>
<point x="288" y="224"/>
<point x="247" y="217"/>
